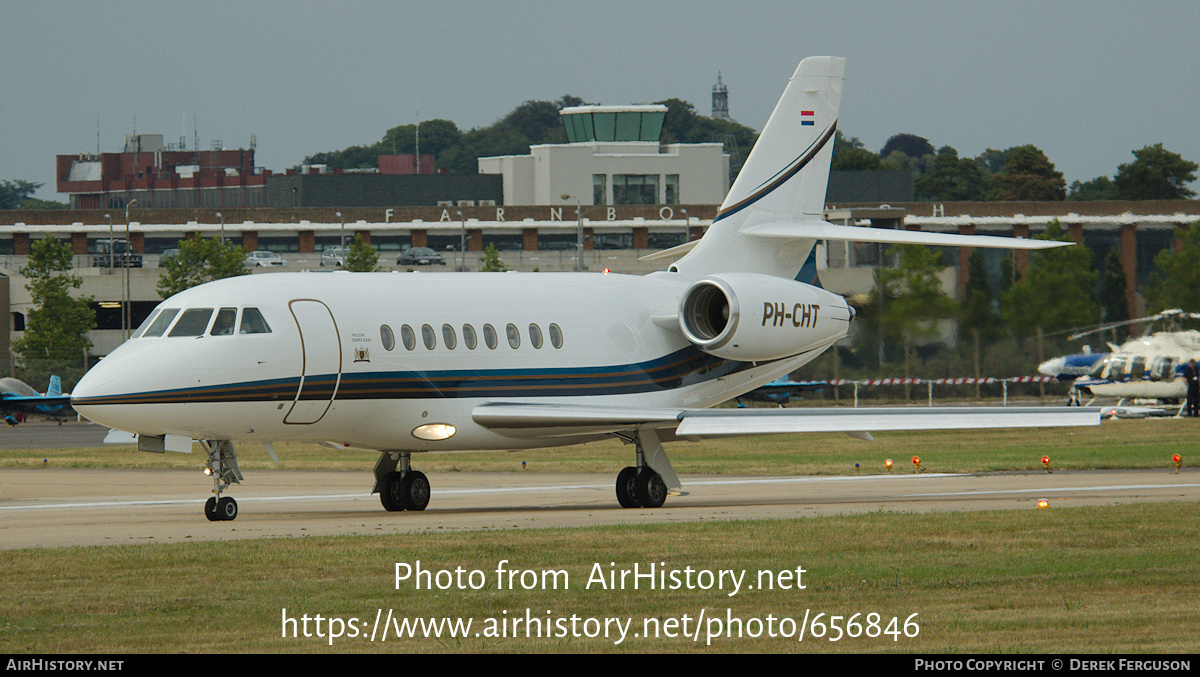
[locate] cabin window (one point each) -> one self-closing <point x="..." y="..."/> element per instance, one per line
<point x="387" y="337"/>
<point x="253" y="322"/>
<point x="469" y="337"/>
<point x="225" y="322"/>
<point x="193" y="322"/>
<point x="449" y="337"/>
<point x="555" y="336"/>
<point x="428" y="336"/>
<point x="161" y="322"/>
<point x="408" y="336"/>
<point x="535" y="336"/>
<point x="489" y="336"/>
<point x="514" y="336"/>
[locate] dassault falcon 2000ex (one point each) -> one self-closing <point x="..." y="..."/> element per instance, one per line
<point x="405" y="363"/>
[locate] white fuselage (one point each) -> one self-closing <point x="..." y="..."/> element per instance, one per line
<point x="335" y="365"/>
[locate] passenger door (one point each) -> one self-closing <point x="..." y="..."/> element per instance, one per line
<point x="320" y="361"/>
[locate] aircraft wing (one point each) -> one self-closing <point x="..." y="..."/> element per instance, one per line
<point x="544" y="420"/>
<point x="28" y="401"/>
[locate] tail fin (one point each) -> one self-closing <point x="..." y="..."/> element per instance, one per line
<point x="774" y="213"/>
<point x="55" y="388"/>
<point x="783" y="180"/>
<point x="788" y="170"/>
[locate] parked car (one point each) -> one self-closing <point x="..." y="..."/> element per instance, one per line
<point x="263" y="259"/>
<point x="334" y="256"/>
<point x="420" y="256"/>
<point x="114" y="252"/>
<point x="169" y="255"/>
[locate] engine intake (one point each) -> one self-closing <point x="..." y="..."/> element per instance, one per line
<point x="750" y="317"/>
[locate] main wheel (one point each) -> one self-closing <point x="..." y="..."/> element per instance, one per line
<point x="226" y="508"/>
<point x="651" y="490"/>
<point x="627" y="488"/>
<point x="414" y="490"/>
<point x="390" y="497"/>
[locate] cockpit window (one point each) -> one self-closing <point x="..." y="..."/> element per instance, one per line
<point x="193" y="322"/>
<point x="253" y="322"/>
<point x="225" y="322"/>
<point x="145" y="323"/>
<point x="160" y="323"/>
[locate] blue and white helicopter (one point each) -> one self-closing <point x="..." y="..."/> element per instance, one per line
<point x="1147" y="367"/>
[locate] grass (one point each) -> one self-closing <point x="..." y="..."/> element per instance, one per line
<point x="1114" y="579"/>
<point x="1097" y="580"/>
<point x="1114" y="444"/>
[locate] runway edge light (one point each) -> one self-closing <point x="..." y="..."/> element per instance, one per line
<point x="888" y="464"/>
<point x="916" y="464"/>
<point x="1043" y="503"/>
<point x="1046" y="464"/>
<point x="1178" y="461"/>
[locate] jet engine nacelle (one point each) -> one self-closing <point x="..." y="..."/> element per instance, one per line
<point x="750" y="318"/>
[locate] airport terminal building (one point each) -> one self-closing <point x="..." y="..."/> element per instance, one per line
<point x="543" y="238"/>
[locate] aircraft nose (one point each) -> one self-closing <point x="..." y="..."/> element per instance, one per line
<point x="1051" y="367"/>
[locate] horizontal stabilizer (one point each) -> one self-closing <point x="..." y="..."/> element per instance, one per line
<point x="823" y="230"/>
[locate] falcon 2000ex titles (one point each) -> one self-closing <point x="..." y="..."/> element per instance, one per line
<point x="406" y="363"/>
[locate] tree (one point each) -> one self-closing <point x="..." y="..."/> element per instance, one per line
<point x="910" y="144"/>
<point x="361" y="257"/>
<point x="1099" y="188"/>
<point x="849" y="154"/>
<point x="951" y="179"/>
<point x="1057" y="290"/>
<point x="490" y="261"/>
<point x="57" y="325"/>
<point x="916" y="301"/>
<point x="1156" y="174"/>
<point x="201" y="260"/>
<point x="1113" y="303"/>
<point x="13" y="193"/>
<point x="1028" y="175"/>
<point x="975" y="313"/>
<point x="1177" y="285"/>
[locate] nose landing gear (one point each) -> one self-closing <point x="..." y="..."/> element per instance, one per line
<point x="223" y="468"/>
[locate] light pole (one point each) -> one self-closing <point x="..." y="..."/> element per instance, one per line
<point x="110" y="243"/>
<point x="339" y="215"/>
<point x="126" y="314"/>
<point x="579" y="232"/>
<point x="462" y="243"/>
<point x="222" y="228"/>
<point x="687" y="218"/>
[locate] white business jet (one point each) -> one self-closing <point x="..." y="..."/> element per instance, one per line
<point x="405" y="363"/>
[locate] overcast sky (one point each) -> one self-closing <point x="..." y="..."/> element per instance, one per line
<point x="1087" y="82"/>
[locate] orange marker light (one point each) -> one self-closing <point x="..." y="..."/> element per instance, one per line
<point x="1043" y="503"/>
<point x="888" y="464"/>
<point x="1046" y="463"/>
<point x="1178" y="461"/>
<point x="916" y="463"/>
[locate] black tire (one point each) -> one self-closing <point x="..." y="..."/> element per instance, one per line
<point x="390" y="496"/>
<point x="210" y="510"/>
<point x="627" y="488"/>
<point x="651" y="490"/>
<point x="414" y="490"/>
<point x="227" y="509"/>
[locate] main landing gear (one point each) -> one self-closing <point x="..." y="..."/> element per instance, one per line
<point x="222" y="466"/>
<point x="403" y="489"/>
<point x="647" y="485"/>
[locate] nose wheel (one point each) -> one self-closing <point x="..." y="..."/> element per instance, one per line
<point x="220" y="509"/>
<point x="223" y="468"/>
